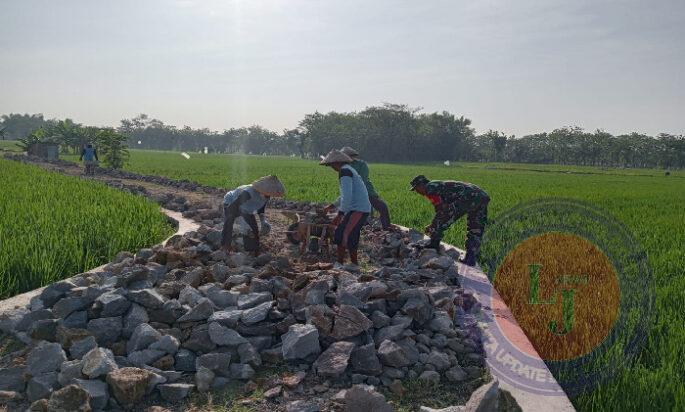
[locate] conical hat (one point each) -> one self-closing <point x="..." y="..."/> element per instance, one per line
<point x="335" y="156"/>
<point x="349" y="151"/>
<point x="269" y="186"/>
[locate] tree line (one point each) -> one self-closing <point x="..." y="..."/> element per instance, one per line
<point x="386" y="133"/>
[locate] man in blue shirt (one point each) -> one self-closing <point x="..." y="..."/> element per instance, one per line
<point x="353" y="206"/>
<point x="89" y="155"/>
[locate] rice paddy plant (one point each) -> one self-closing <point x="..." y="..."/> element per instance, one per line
<point x="53" y="226"/>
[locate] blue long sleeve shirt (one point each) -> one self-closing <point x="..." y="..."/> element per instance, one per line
<point x="353" y="194"/>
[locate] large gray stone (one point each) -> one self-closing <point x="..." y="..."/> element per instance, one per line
<point x="216" y="362"/>
<point x="144" y="357"/>
<point x="300" y="341"/>
<point x="202" y="311"/>
<point x="203" y="379"/>
<point x="166" y="343"/>
<point x="241" y="371"/>
<point x="82" y="346"/>
<point x="97" y="390"/>
<point x="70" y="371"/>
<point x="249" y="354"/>
<point x="189" y="296"/>
<point x="333" y="361"/>
<point x="148" y="298"/>
<point x="185" y="360"/>
<point x="143" y="336"/>
<point x="71" y="398"/>
<point x="349" y="321"/>
<point x="256" y="314"/>
<point x="439" y="359"/>
<point x="175" y="392"/>
<point x="221" y="298"/>
<point x="98" y="362"/>
<point x="45" y="357"/>
<point x="12" y="379"/>
<point x="54" y="292"/>
<point x="418" y="309"/>
<point x="77" y="320"/>
<point x="253" y="299"/>
<point x="227" y="318"/>
<point x="66" y="306"/>
<point x="135" y="316"/>
<point x="41" y="386"/>
<point x="365" y="398"/>
<point x="365" y="361"/>
<point x="392" y="354"/>
<point x="44" y="329"/>
<point x="29" y="318"/>
<point x="129" y="385"/>
<point x="105" y="330"/>
<point x="224" y="336"/>
<point x="111" y="304"/>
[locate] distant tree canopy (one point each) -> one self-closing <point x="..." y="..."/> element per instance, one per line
<point x="386" y="133"/>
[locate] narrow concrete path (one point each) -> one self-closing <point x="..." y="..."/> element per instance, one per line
<point x="183" y="224"/>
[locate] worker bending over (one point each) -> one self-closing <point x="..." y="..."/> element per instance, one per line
<point x="452" y="200"/>
<point x="376" y="202"/>
<point x="353" y="206"/>
<point x="243" y="202"/>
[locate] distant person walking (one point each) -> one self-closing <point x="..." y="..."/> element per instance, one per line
<point x="363" y="169"/>
<point x="353" y="206"/>
<point x="453" y="200"/>
<point x="89" y="155"/>
<point x="243" y="202"/>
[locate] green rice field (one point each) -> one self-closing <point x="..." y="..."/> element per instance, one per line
<point x="649" y="203"/>
<point x="53" y="226"/>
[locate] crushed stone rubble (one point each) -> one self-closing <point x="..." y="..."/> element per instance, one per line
<point x="156" y="326"/>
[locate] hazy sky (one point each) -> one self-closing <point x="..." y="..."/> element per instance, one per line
<point x="517" y="66"/>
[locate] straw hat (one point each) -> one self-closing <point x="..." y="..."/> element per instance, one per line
<point x="349" y="151"/>
<point x="335" y="156"/>
<point x="269" y="186"/>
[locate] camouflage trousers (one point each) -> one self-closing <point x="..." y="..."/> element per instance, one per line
<point x="476" y="218"/>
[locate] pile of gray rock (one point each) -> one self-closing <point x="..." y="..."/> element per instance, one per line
<point x="159" y="324"/>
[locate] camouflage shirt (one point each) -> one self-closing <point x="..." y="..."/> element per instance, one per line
<point x="456" y="195"/>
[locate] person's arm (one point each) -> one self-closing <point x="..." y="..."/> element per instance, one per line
<point x="265" y="227"/>
<point x="83" y="151"/>
<point x="250" y="219"/>
<point x="95" y="151"/>
<point x="363" y="170"/>
<point x="345" y="177"/>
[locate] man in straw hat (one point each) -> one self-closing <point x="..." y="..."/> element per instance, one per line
<point x="353" y="205"/>
<point x="376" y="202"/>
<point x="244" y="201"/>
<point x="453" y="200"/>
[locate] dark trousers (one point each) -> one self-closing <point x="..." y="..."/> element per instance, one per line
<point x="378" y="204"/>
<point x="476" y="218"/>
<point x="230" y="215"/>
<point x="349" y="230"/>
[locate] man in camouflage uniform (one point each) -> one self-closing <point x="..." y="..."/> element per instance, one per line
<point x="453" y="200"/>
